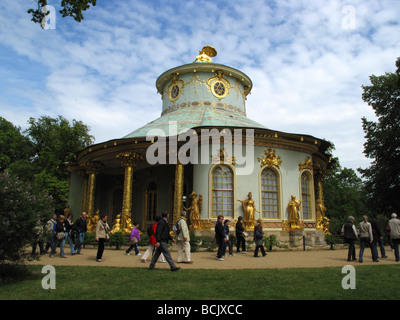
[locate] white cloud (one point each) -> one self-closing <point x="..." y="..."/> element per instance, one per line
<point x="306" y="69"/>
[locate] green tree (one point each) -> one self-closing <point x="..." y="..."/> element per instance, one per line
<point x="24" y="209"/>
<point x="383" y="142"/>
<point x="14" y="146"/>
<point x="70" y="8"/>
<point x="55" y="142"/>
<point x="344" y="196"/>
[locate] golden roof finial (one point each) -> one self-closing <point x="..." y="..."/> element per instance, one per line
<point x="205" y="54"/>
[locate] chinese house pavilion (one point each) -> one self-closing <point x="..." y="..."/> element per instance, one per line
<point x="204" y="155"/>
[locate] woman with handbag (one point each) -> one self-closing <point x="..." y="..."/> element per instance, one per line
<point x="59" y="237"/>
<point x="258" y="239"/>
<point x="102" y="236"/>
<point x="134" y="239"/>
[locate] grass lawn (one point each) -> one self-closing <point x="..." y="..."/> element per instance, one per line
<point x="372" y="282"/>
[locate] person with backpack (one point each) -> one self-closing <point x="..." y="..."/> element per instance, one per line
<point x="151" y="231"/>
<point x="183" y="239"/>
<point x="162" y="238"/>
<point x="350" y="235"/>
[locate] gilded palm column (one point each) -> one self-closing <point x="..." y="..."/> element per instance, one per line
<point x="123" y="220"/>
<point x="92" y="169"/>
<point x="178" y="193"/>
<point x="84" y="177"/>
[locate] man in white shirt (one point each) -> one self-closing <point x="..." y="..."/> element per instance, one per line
<point x="394" y="225"/>
<point x="183" y="240"/>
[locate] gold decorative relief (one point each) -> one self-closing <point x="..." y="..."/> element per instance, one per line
<point x="219" y="86"/>
<point x="306" y="164"/>
<point x="270" y="159"/>
<point x="223" y="157"/>
<point x="175" y="88"/>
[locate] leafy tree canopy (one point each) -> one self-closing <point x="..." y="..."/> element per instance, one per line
<point x="344" y="196"/>
<point x="70" y="8"/>
<point x="14" y="146"/>
<point x="42" y="154"/>
<point x="24" y="209"/>
<point x="383" y="142"/>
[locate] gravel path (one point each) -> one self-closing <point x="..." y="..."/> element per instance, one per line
<point x="207" y="260"/>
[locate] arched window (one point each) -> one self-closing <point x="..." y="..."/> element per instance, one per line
<point x="269" y="194"/>
<point x="222" y="191"/>
<point x="306" y="195"/>
<point x="151" y="202"/>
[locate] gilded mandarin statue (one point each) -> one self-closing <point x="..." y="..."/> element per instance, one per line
<point x="122" y="223"/>
<point x="205" y="54"/>
<point x="92" y="221"/>
<point x="195" y="210"/>
<point x="321" y="221"/>
<point x="294" y="218"/>
<point x="249" y="210"/>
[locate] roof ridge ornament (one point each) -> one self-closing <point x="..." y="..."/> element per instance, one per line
<point x="205" y="54"/>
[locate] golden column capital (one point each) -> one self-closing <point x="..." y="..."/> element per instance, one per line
<point x="129" y="159"/>
<point x="93" y="166"/>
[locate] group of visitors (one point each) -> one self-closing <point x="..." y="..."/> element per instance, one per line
<point x="223" y="240"/>
<point x="370" y="236"/>
<point x="59" y="230"/>
<point x="62" y="230"/>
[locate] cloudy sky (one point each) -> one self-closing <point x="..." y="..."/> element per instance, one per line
<point x="307" y="60"/>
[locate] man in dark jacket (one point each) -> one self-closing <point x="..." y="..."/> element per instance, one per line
<point x="162" y="238"/>
<point x="377" y="236"/>
<point x="349" y="233"/>
<point x="81" y="228"/>
<point x="239" y="235"/>
<point x="220" y="237"/>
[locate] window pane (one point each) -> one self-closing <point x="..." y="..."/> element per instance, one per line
<point x="269" y="194"/>
<point x="222" y="201"/>
<point x="306" y="195"/>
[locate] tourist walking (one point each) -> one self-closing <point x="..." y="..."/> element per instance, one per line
<point x="367" y="240"/>
<point x="59" y="239"/>
<point x="39" y="239"/>
<point x="377" y="234"/>
<point x="152" y="241"/>
<point x="102" y="236"/>
<point x="135" y="238"/>
<point x="394" y="225"/>
<point x="240" y="240"/>
<point x="50" y="230"/>
<point x="229" y="242"/>
<point x="162" y="238"/>
<point x="220" y="237"/>
<point x="81" y="228"/>
<point x="183" y="239"/>
<point x="349" y="234"/>
<point x="258" y="239"/>
<point x="68" y="234"/>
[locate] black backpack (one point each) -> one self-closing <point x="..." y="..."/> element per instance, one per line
<point x="150" y="230"/>
<point x="175" y="228"/>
